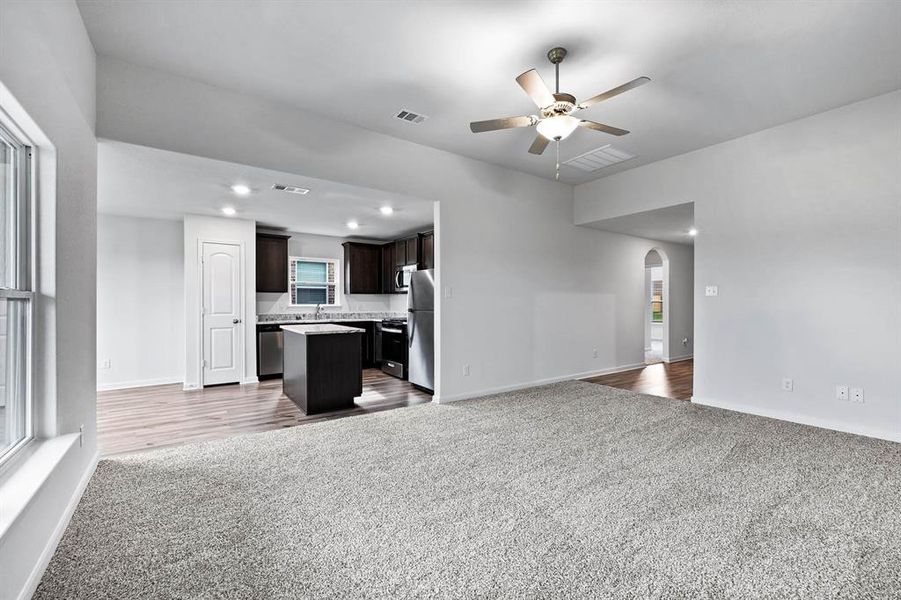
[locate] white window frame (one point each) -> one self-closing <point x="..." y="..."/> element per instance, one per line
<point x="20" y="283"/>
<point x="291" y="284"/>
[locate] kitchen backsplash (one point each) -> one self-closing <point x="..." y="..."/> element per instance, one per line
<point x="280" y="305"/>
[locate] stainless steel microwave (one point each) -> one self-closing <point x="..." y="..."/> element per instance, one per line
<point x="402" y="277"/>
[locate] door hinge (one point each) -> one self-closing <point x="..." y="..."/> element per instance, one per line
<point x="203" y="363"/>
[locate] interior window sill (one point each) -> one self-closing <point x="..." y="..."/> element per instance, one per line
<point x="26" y="474"/>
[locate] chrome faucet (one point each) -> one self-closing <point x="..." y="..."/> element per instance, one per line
<point x="318" y="312"/>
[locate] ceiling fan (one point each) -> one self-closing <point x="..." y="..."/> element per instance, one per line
<point x="555" y="120"/>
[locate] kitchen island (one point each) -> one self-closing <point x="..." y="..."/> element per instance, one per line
<point x="323" y="369"/>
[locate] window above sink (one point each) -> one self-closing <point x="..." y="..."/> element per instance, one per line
<point x="313" y="281"/>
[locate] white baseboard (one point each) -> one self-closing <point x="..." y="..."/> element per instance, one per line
<point x="250" y="380"/>
<point x="35" y="577"/>
<point x="535" y="383"/>
<point x="882" y="434"/>
<point x="123" y="385"/>
<point x="674" y="359"/>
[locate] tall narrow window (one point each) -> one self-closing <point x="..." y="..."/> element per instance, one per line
<point x="657" y="301"/>
<point x="16" y="295"/>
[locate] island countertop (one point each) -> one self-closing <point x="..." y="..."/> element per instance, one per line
<point x="321" y="329"/>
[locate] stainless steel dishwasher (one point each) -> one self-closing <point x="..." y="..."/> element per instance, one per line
<point x="270" y="351"/>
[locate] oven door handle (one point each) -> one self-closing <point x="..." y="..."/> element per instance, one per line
<point x="387" y="330"/>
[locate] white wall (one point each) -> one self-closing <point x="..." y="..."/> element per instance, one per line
<point x="800" y="228"/>
<point x="140" y="301"/>
<point x="532" y="295"/>
<point x="47" y="68"/>
<point x="324" y="246"/>
<point x="215" y="229"/>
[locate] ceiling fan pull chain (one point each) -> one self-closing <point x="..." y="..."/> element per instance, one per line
<point x="557" y="177"/>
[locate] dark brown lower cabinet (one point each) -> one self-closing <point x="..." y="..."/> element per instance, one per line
<point x="323" y="372"/>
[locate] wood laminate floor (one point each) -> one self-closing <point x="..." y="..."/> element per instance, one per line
<point x="165" y="415"/>
<point x="670" y="380"/>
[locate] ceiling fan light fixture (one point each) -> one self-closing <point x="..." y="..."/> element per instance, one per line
<point x="557" y="128"/>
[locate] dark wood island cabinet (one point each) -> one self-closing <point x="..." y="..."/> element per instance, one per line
<point x="323" y="369"/>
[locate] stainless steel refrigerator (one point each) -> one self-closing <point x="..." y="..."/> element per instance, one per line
<point x="421" y="329"/>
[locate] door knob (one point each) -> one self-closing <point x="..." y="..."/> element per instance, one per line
<point x="236" y="321"/>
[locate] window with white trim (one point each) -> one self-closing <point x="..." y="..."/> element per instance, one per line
<point x="314" y="281"/>
<point x="16" y="295"/>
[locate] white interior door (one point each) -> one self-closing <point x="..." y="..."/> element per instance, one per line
<point x="223" y="331"/>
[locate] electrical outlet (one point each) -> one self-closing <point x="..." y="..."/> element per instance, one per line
<point x="841" y="392"/>
<point x="448" y="292"/>
<point x="594" y="352"/>
<point x="711" y="290"/>
<point x="787" y="384"/>
<point x="105" y="363"/>
<point x="857" y="395"/>
<point x="466" y="370"/>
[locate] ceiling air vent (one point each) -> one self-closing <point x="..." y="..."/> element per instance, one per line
<point x="291" y="189"/>
<point x="410" y="117"/>
<point x="599" y="158"/>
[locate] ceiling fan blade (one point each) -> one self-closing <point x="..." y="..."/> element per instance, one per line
<point x="602" y="127"/>
<point x="539" y="144"/>
<point x="535" y="87"/>
<point x="507" y="123"/>
<point x="615" y="92"/>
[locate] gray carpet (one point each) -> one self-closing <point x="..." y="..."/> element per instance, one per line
<point x="567" y="491"/>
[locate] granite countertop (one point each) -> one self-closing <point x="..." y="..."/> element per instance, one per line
<point x="321" y="329"/>
<point x="326" y="317"/>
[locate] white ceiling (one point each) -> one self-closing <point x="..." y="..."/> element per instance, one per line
<point x="146" y="182"/>
<point x="670" y="224"/>
<point x="720" y="69"/>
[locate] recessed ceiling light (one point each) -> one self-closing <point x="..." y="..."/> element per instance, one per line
<point x="386" y="210"/>
<point x="352" y="224"/>
<point x="692" y="231"/>
<point x="241" y="189"/>
<point x="228" y="211"/>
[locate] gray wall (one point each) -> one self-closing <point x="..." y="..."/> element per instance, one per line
<point x="140" y="301"/>
<point x="800" y="228"/>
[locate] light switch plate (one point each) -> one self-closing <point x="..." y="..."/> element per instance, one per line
<point x="856" y="394"/>
<point x="841" y="392"/>
<point x="711" y="290"/>
<point x="448" y="292"/>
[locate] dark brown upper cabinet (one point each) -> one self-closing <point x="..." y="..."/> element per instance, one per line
<point x="427" y="250"/>
<point x="406" y="251"/>
<point x="412" y="244"/>
<point x="388" y="267"/>
<point x="362" y="268"/>
<point x="400" y="253"/>
<point x="272" y="263"/>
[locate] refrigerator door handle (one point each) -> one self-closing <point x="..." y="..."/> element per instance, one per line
<point x="412" y="326"/>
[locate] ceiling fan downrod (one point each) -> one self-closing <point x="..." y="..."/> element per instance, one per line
<point x="556" y="56"/>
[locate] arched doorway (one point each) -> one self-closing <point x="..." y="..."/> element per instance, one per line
<point x="656" y="310"/>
